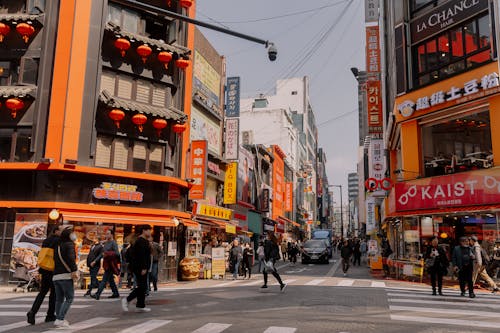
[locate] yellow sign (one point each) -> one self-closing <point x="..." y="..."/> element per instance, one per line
<point x="214" y="211"/>
<point x="230" y="229"/>
<point x="230" y="182"/>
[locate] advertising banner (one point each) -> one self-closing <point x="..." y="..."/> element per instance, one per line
<point x="374" y="106"/>
<point x="206" y="79"/>
<point x="278" y="183"/>
<point x="204" y="128"/>
<point x="199" y="158"/>
<point x="376" y="162"/>
<point x="480" y="187"/>
<point x="245" y="176"/>
<point x="29" y="232"/>
<point x="371" y="219"/>
<point x="230" y="183"/>
<point x="233" y="97"/>
<point x="371" y="10"/>
<point x="372" y="50"/>
<point x="213" y="211"/>
<point x="232" y="138"/>
<point x="288" y="197"/>
<point x="218" y="263"/>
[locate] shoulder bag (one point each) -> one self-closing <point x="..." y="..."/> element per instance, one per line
<point x="62" y="260"/>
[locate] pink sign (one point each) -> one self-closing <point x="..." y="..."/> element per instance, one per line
<point x="481" y="187"/>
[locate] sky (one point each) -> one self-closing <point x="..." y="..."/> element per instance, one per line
<point x="322" y="42"/>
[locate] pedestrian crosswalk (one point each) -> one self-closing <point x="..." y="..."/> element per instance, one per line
<point x="420" y="306"/>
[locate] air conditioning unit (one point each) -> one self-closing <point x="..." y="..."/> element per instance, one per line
<point x="247" y="137"/>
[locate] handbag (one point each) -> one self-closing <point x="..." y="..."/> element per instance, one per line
<point x="269" y="265"/>
<point x="46" y="259"/>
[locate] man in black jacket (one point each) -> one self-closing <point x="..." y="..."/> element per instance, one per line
<point x="46" y="282"/>
<point x="346" y="253"/>
<point x="94" y="264"/>
<point x="140" y="262"/>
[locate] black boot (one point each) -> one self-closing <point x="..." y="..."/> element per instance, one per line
<point x="31" y="318"/>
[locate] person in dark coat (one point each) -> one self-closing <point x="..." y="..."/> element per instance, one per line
<point x="271" y="254"/>
<point x="247" y="260"/>
<point x="357" y="252"/>
<point x="94" y="265"/>
<point x="293" y="251"/>
<point x="346" y="253"/>
<point x="46" y="284"/>
<point x="140" y="254"/>
<point x="235" y="257"/>
<point x="463" y="259"/>
<point x="435" y="256"/>
<point x="111" y="266"/>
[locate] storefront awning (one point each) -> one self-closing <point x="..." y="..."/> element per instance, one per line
<point x="117" y="218"/>
<point x="190" y="223"/>
<point x="283" y="219"/>
<point x="448" y="210"/>
<point x="215" y="223"/>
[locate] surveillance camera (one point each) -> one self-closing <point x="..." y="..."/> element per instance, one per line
<point x="272" y="52"/>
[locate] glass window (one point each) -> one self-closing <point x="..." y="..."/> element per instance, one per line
<point x="457" y="44"/>
<point x="484" y="31"/>
<point x="23" y="143"/>
<point x="444" y="49"/>
<point x="155" y="159"/>
<point x="470" y="33"/>
<point x="114" y="14"/>
<point x="139" y="157"/>
<point x="131" y="21"/>
<point x="30" y="71"/>
<point x="479" y="58"/>
<point x="431" y="52"/>
<point x="421" y="58"/>
<point x="9" y="6"/>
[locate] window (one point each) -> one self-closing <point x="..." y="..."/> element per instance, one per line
<point x="139" y="157"/>
<point x="453" y="52"/>
<point x="29" y="69"/>
<point x="9" y="6"/>
<point x="418" y="5"/>
<point x="15" y="145"/>
<point x="9" y="73"/>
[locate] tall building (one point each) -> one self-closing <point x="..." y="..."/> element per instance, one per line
<point x="353" y="196"/>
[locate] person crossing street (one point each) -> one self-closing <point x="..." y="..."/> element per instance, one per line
<point x="111" y="265"/>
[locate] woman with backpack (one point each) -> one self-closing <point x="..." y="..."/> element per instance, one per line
<point x="271" y="254"/>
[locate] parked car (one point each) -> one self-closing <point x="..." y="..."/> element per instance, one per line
<point x="315" y="250"/>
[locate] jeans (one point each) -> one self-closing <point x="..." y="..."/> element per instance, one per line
<point x="108" y="277"/>
<point x="94" y="283"/>
<point x="140" y="291"/>
<point x="65" y="293"/>
<point x="45" y="287"/>
<point x="274" y="272"/>
<point x="236" y="269"/>
<point x="465" y="277"/>
<point x="345" y="265"/>
<point x="153" y="276"/>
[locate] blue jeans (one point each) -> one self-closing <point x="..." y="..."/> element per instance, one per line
<point x="236" y="269"/>
<point x="65" y="293"/>
<point x="108" y="277"/>
<point x="153" y="276"/>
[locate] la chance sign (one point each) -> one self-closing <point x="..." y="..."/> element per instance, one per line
<point x="450" y="13"/>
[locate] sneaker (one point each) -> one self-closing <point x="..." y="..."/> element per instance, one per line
<point x="124" y="304"/>
<point x="31" y="318"/>
<point x="283" y="287"/>
<point x="142" y="309"/>
<point x="87" y="293"/>
<point x="114" y="296"/>
<point x="61" y="323"/>
<point x="264" y="286"/>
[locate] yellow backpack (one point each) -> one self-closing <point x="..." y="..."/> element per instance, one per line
<point x="46" y="259"/>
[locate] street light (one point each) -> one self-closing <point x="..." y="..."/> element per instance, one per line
<point x="341" y="211"/>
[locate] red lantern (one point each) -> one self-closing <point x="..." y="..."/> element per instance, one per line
<point x="179" y="128"/>
<point x="182" y="63"/>
<point x="164" y="57"/>
<point x="26" y="30"/>
<point x="123" y="45"/>
<point x="139" y="119"/>
<point x="159" y="124"/>
<point x="186" y="3"/>
<point x="14" y="105"/>
<point x="4" y="30"/>
<point x="116" y="115"/>
<point x="144" y="51"/>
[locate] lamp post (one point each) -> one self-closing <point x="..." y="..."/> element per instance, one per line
<point x="341" y="211"/>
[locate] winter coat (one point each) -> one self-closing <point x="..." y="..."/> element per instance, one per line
<point x="346" y="252"/>
<point x="140" y="255"/>
<point x="68" y="254"/>
<point x="462" y="256"/>
<point x="271" y="251"/>
<point x="440" y="261"/>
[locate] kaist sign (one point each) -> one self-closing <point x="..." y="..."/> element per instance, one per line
<point x="117" y="192"/>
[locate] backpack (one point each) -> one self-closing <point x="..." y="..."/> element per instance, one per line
<point x="46" y="259"/>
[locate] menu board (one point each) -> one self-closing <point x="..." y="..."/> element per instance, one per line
<point x="218" y="262"/>
<point x="29" y="232"/>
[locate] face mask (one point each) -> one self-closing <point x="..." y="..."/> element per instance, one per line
<point x="72" y="236"/>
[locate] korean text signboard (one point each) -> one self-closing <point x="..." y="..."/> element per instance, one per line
<point x="372" y="50"/>
<point x="371" y="10"/>
<point x="213" y="211"/>
<point x="230" y="183"/>
<point x="288" y="196"/>
<point x="206" y="79"/>
<point x="199" y="158"/>
<point x="117" y="192"/>
<point x="231" y="138"/>
<point x="374" y="103"/>
<point x="233" y="97"/>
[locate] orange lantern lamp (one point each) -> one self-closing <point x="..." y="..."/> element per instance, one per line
<point x="159" y="124"/>
<point x="116" y="115"/>
<point x="144" y="51"/>
<point x="182" y="63"/>
<point x="26" y="30"/>
<point x="14" y="105"/>
<point x="139" y="120"/>
<point x="186" y="3"/>
<point x="123" y="45"/>
<point x="179" y="128"/>
<point x="4" y="30"/>
<point x="164" y="57"/>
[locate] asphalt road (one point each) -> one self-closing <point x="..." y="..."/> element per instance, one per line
<point x="316" y="300"/>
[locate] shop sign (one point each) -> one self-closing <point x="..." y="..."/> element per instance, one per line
<point x="230" y="229"/>
<point x="371" y="220"/>
<point x="214" y="168"/>
<point x="278" y="182"/>
<point x="218" y="262"/>
<point x="376" y="163"/>
<point x="371" y="10"/>
<point x="280" y="226"/>
<point x="233" y="97"/>
<point x="230" y="183"/>
<point x="204" y="128"/>
<point x="470" y="90"/>
<point x="213" y="211"/>
<point x="117" y="192"/>
<point x="172" y="249"/>
<point x="372" y="50"/>
<point x="199" y="158"/>
<point x="374" y="104"/>
<point x="231" y="138"/>
<point x="481" y="187"/>
<point x="245" y="175"/>
<point x="206" y="79"/>
<point x="426" y="226"/>
<point x="288" y="197"/>
<point x="445" y="16"/>
<point x="264" y="202"/>
<point x="174" y="193"/>
<point x="269" y="225"/>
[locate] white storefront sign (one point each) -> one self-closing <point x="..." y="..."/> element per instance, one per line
<point x="371" y="10"/>
<point x="203" y="128"/>
<point x="371" y="220"/>
<point x="231" y="138"/>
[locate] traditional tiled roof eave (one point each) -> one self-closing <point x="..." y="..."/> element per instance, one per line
<point x="127" y="105"/>
<point x="116" y="29"/>
<point x="19" y="17"/>
<point x="17" y="91"/>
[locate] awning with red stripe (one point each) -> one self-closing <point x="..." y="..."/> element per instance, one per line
<point x="448" y="210"/>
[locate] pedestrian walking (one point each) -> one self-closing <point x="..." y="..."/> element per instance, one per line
<point x="284" y="249"/>
<point x="140" y="261"/>
<point x="293" y="251"/>
<point x="124" y="272"/>
<point x="271" y="254"/>
<point x="50" y="243"/>
<point x="94" y="265"/>
<point x="65" y="273"/>
<point x="156" y="254"/>
<point x="346" y="253"/>
<point x="481" y="260"/>
<point x="261" y="256"/>
<point x="111" y="265"/>
<point x="493" y="268"/>
<point x="436" y="264"/>
<point x="235" y="258"/>
<point x="357" y="252"/>
<point x="364" y="249"/>
<point x="247" y="260"/>
<point x="462" y="260"/>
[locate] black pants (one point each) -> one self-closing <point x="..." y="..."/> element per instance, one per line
<point x="246" y="266"/>
<point x="357" y="258"/>
<point x="94" y="283"/>
<point x="293" y="258"/>
<point x="46" y="286"/>
<point x="345" y="265"/>
<point x="139" y="292"/>
<point x="274" y="272"/>
<point x="465" y="278"/>
<point x="436" y="274"/>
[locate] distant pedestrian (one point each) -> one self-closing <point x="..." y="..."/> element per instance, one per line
<point x="293" y="251"/>
<point x="235" y="257"/>
<point x="156" y="254"/>
<point x="346" y="254"/>
<point x="140" y="254"/>
<point x="111" y="265"/>
<point x="51" y="242"/>
<point x="480" y="262"/>
<point x="357" y="252"/>
<point x="462" y="259"/>
<point x="436" y="263"/>
<point x="284" y="249"/>
<point x="247" y="260"/>
<point x="386" y="252"/>
<point x="271" y="254"/>
<point x="94" y="265"/>
<point x="261" y="256"/>
<point x="65" y="273"/>
<point x="364" y="249"/>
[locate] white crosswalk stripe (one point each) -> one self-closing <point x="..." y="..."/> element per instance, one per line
<point x="377" y="284"/>
<point x="276" y="329"/>
<point x="345" y="283"/>
<point x="83" y="325"/>
<point x="212" y="328"/>
<point x="19" y="324"/>
<point x="146" y="327"/>
<point x="315" y="282"/>
<point x="44" y="306"/>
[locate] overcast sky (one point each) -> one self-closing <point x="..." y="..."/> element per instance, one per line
<point x="338" y="23"/>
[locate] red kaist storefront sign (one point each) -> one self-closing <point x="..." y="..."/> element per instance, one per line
<point x="481" y="187"/>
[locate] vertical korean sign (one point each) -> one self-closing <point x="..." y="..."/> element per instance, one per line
<point x="371" y="10"/>
<point x="288" y="197"/>
<point x="372" y="50"/>
<point x="199" y="158"/>
<point x="230" y="182"/>
<point x="376" y="159"/>
<point x="231" y="138"/>
<point x="375" y="122"/>
<point x="278" y="183"/>
<point x="373" y="86"/>
<point x="233" y="97"/>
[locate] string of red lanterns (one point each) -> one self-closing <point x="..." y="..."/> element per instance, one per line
<point x="23" y="28"/>
<point x="4" y="30"/>
<point x="14" y="105"/>
<point x="139" y="119"/>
